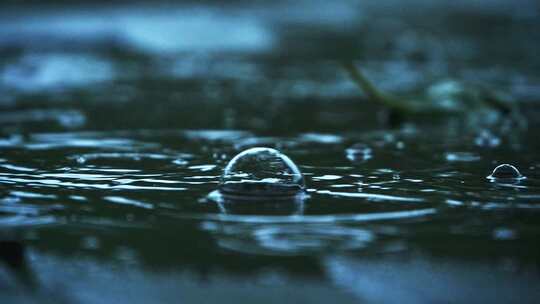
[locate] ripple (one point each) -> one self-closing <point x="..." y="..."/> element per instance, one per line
<point x="103" y="186"/>
<point x="126" y="201"/>
<point x="113" y="170"/>
<point x="56" y="141"/>
<point x="11" y="141"/>
<point x="327" y="177"/>
<point x="25" y="194"/>
<point x="313" y="219"/>
<point x="25" y="221"/>
<point x="80" y="176"/>
<point x="85" y="158"/>
<point x="295" y="239"/>
<point x="81" y="143"/>
<point x="499" y="206"/>
<point x="25" y="209"/>
<point x="203" y="168"/>
<point x="270" y="239"/>
<point x="17" y="168"/>
<point x="371" y="196"/>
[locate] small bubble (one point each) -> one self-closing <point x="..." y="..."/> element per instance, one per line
<point x="261" y="172"/>
<point x="505" y="172"/>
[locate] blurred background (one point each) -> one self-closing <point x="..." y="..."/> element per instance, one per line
<point x="271" y="66"/>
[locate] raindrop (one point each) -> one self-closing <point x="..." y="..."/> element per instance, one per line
<point x="358" y="152"/>
<point x="505" y="172"/>
<point x="261" y="172"/>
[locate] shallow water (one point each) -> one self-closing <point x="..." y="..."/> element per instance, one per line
<point x="114" y="137"/>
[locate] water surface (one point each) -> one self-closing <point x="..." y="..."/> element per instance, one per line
<point x="114" y="135"/>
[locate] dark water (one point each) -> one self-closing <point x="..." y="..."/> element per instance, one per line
<point x="113" y="133"/>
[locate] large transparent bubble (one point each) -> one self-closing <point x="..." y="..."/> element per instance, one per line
<point x="263" y="173"/>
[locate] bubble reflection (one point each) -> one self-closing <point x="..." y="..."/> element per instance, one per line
<point x="269" y="239"/>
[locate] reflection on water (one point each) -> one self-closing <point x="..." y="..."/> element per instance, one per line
<point x="117" y="125"/>
<point x="431" y="280"/>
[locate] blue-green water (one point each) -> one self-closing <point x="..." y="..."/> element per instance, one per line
<point x="116" y="124"/>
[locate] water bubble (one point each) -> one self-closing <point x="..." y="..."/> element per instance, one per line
<point x="358" y="152"/>
<point x="261" y="172"/>
<point x="505" y="172"/>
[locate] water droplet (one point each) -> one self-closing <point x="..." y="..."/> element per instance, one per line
<point x="358" y="152"/>
<point x="505" y="172"/>
<point x="261" y="172"/>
